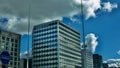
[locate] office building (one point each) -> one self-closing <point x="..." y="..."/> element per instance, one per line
<point x="105" y="65"/>
<point x="23" y="62"/>
<point x="10" y="42"/>
<point x="56" y="45"/>
<point x="97" y="61"/>
<point x="87" y="59"/>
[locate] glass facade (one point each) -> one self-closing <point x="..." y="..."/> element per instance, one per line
<point x="55" y="45"/>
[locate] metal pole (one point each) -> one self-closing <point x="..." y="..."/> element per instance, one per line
<point x="29" y="7"/>
<point x="83" y="34"/>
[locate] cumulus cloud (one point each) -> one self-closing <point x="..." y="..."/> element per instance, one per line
<point x="113" y="62"/>
<point x="89" y="7"/>
<point x="91" y="42"/>
<point x="42" y="11"/>
<point x="108" y="6"/>
<point x="118" y="52"/>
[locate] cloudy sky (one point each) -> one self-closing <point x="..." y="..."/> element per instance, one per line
<point x="101" y="19"/>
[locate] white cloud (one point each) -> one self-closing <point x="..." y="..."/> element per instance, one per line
<point x="118" y="52"/>
<point x="89" y="7"/>
<point x="20" y="25"/>
<point x="91" y="42"/>
<point x="42" y="11"/>
<point x="108" y="6"/>
<point x="113" y="62"/>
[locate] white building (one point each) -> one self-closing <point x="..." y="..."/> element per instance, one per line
<point x="87" y="59"/>
<point x="56" y="45"/>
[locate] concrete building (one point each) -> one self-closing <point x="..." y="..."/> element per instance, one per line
<point x="10" y="42"/>
<point x="97" y="61"/>
<point x="87" y="59"/>
<point x="23" y="63"/>
<point x="56" y="45"/>
<point x="105" y="65"/>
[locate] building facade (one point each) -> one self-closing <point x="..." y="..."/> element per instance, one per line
<point x="105" y="65"/>
<point x="56" y="45"/>
<point x="23" y="62"/>
<point x="97" y="61"/>
<point x="10" y="42"/>
<point x="87" y="59"/>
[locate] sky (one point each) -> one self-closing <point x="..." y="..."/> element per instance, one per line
<point x="101" y="21"/>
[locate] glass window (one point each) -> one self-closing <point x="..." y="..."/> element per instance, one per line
<point x="11" y="63"/>
<point x="8" y="39"/>
<point x="15" y="54"/>
<point x="11" y="53"/>
<point x="15" y="50"/>
<point x="16" y="45"/>
<point x="3" y="38"/>
<point x="11" y="49"/>
<point x="6" y="48"/>
<point x="12" y="40"/>
<point x="16" y="41"/>
<point x="15" y="59"/>
<point x="15" y="63"/>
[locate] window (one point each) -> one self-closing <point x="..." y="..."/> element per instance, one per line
<point x="12" y="40"/>
<point x="15" y="50"/>
<point x="15" y="54"/>
<point x="11" y="58"/>
<point x="8" y="39"/>
<point x="11" y="63"/>
<point x="11" y="49"/>
<point x="16" y="45"/>
<point x="12" y="44"/>
<point x="16" y="41"/>
<point x="15" y="59"/>
<point x="3" y="38"/>
<point x="6" y="48"/>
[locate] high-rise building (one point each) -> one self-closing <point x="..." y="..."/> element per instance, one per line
<point x="56" y="45"/>
<point x="10" y="42"/>
<point x="87" y="59"/>
<point x="97" y="61"/>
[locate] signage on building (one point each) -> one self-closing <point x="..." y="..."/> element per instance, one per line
<point x="5" y="57"/>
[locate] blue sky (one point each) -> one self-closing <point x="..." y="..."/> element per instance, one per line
<point x="106" y="27"/>
<point x="104" y="23"/>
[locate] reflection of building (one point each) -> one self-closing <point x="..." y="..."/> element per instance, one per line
<point x="56" y="45"/>
<point x="97" y="61"/>
<point x="87" y="59"/>
<point x="105" y="65"/>
<point x="10" y="42"/>
<point x="23" y="63"/>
